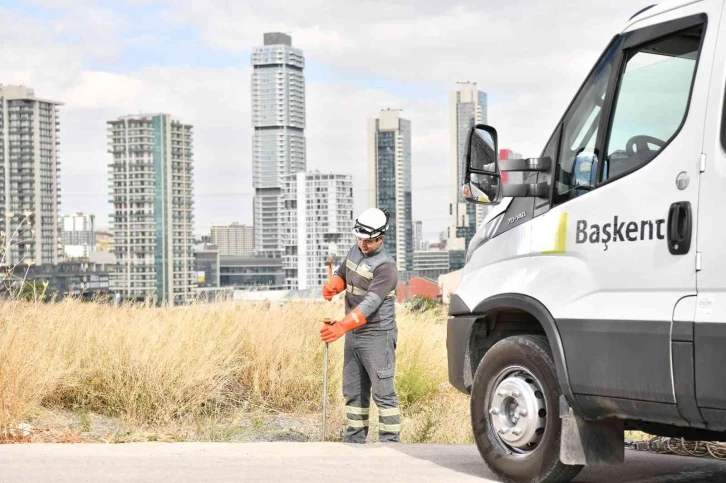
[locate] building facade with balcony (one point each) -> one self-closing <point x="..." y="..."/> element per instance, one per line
<point x="29" y="177"/>
<point x="251" y="272"/>
<point x="151" y="183"/>
<point x="234" y="239"/>
<point x="78" y="235"/>
<point x="317" y="217"/>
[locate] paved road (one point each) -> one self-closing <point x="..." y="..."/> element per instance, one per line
<point x="304" y="462"/>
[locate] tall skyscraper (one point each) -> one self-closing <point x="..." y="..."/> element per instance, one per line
<point x="79" y="235"/>
<point x="278" y="145"/>
<point x="29" y="176"/>
<point x="318" y="211"/>
<point x="152" y="223"/>
<point x="234" y="239"/>
<point x="389" y="181"/>
<point x="468" y="107"/>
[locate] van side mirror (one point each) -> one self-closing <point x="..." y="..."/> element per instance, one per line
<point x="483" y="180"/>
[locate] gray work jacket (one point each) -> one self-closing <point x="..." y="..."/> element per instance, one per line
<point x="371" y="286"/>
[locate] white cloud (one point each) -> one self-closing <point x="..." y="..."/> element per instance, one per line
<point x="104" y="90"/>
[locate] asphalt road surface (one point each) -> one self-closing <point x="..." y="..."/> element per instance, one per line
<point x="304" y="462"/>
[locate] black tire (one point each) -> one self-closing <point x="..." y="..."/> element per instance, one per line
<point x="542" y="464"/>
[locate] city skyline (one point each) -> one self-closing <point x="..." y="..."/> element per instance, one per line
<point x="117" y="59"/>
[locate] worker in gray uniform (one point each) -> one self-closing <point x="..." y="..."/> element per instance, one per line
<point x="369" y="277"/>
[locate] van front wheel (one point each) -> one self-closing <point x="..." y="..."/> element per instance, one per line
<point x="515" y="412"/>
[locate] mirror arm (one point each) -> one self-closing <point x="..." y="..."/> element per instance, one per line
<point x="529" y="190"/>
<point x="529" y="164"/>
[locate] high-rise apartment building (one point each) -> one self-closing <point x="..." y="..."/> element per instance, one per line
<point x="318" y="211"/>
<point x="79" y="235"/>
<point x="468" y="107"/>
<point x="278" y="145"/>
<point x="389" y="181"/>
<point x="29" y="177"/>
<point x="234" y="239"/>
<point x="151" y="177"/>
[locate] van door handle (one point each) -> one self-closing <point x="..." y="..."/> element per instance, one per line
<point x="680" y="224"/>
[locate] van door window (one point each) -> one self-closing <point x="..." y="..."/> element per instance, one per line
<point x="578" y="154"/>
<point x="651" y="101"/>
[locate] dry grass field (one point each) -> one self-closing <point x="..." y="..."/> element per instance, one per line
<point x="208" y="367"/>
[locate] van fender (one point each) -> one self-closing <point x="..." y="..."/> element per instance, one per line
<point x="583" y="442"/>
<point x="535" y="308"/>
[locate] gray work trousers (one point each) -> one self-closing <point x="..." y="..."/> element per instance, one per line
<point x="369" y="362"/>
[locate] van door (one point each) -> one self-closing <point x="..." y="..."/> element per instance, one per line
<point x="709" y="334"/>
<point x="604" y="261"/>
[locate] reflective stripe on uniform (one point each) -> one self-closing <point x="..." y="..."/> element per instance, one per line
<point x="364" y="272"/>
<point x="359" y="291"/>
<point x="389" y="412"/>
<point x="357" y="424"/>
<point x="361" y="270"/>
<point x="390" y="428"/>
<point x="356" y="410"/>
<point x="355" y="290"/>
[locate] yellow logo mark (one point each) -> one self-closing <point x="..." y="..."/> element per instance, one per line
<point x="560" y="239"/>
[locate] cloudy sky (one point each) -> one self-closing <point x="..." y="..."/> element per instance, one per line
<point x="191" y="58"/>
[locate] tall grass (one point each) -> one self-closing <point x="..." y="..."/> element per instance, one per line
<point x="161" y="366"/>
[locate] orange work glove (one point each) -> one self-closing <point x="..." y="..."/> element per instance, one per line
<point x="331" y="333"/>
<point x="333" y="287"/>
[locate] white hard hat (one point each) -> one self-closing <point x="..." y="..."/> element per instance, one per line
<point x="372" y="223"/>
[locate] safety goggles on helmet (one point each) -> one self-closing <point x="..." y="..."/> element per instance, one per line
<point x="365" y="231"/>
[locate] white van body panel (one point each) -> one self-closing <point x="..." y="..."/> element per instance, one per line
<point x="710" y="313"/>
<point x="627" y="288"/>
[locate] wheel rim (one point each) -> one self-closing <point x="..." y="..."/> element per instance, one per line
<point x="518" y="410"/>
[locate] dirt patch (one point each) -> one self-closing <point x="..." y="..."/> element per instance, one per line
<point x="62" y="426"/>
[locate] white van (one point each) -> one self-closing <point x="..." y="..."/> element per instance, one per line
<point x="593" y="299"/>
